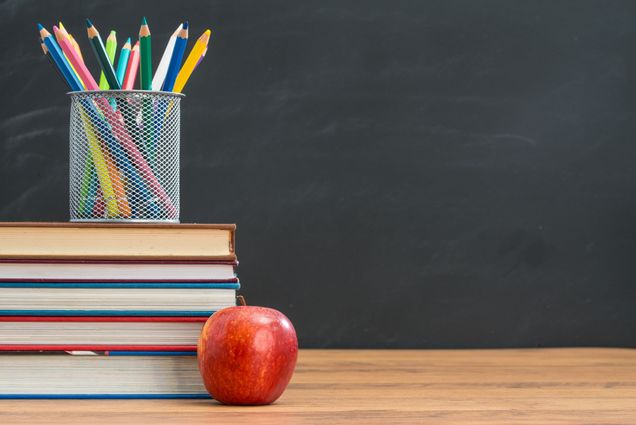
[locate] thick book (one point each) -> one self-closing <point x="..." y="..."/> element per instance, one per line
<point x="36" y="333"/>
<point x="100" y="374"/>
<point x="115" y="299"/>
<point x="34" y="270"/>
<point x="117" y="241"/>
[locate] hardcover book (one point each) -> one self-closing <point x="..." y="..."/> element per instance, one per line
<point x="110" y="333"/>
<point x="121" y="299"/>
<point x="131" y="270"/>
<point x="100" y="374"/>
<point x="117" y="241"/>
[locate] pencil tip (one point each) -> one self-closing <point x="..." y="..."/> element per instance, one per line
<point x="55" y="28"/>
<point x="143" y="21"/>
<point x="113" y="33"/>
<point x="128" y="40"/>
<point x="185" y="25"/>
<point x="40" y="27"/>
<point x="88" y="23"/>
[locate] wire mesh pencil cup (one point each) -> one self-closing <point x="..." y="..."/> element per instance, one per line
<point x="124" y="156"/>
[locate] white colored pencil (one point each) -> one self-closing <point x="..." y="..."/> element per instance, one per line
<point x="162" y="69"/>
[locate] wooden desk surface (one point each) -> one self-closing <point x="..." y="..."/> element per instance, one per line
<point x="549" y="386"/>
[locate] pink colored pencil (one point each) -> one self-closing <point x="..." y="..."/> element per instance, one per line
<point x="131" y="70"/>
<point x="70" y="52"/>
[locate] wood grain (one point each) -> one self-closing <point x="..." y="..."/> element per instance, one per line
<point x="474" y="387"/>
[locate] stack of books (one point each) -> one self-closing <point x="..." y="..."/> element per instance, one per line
<point x="109" y="311"/>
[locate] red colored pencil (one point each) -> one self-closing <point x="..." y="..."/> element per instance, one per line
<point x="131" y="70"/>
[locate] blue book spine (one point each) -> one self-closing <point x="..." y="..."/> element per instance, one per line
<point x="101" y="396"/>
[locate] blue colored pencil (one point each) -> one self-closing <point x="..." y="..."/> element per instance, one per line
<point x="175" y="60"/>
<point x="59" y="59"/>
<point x="122" y="63"/>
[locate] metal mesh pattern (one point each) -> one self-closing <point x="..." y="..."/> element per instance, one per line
<point x="124" y="156"/>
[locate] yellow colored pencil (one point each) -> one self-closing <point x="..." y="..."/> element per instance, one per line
<point x="69" y="62"/>
<point x="101" y="166"/>
<point x="197" y="52"/>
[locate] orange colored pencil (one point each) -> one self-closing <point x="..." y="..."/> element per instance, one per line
<point x="72" y="40"/>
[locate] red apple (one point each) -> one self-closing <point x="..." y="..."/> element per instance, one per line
<point x="247" y="355"/>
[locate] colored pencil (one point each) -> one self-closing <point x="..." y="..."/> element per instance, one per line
<point x="111" y="49"/>
<point x="145" y="55"/>
<point x="201" y="58"/>
<point x="101" y="166"/>
<point x="131" y="70"/>
<point x="145" y="82"/>
<point x="50" y="59"/>
<point x="162" y="68"/>
<point x="74" y="58"/>
<point x="72" y="40"/>
<point x="60" y="60"/>
<point x="89" y="187"/>
<point x="72" y="67"/>
<point x="177" y="56"/>
<point x="124" y="54"/>
<point x="91" y="179"/>
<point x="98" y="207"/>
<point x="102" y="57"/>
<point x="76" y="46"/>
<point x="197" y="52"/>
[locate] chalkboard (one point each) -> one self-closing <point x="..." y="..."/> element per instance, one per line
<point x="402" y="173"/>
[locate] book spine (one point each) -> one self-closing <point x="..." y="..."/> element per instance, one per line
<point x="97" y="313"/>
<point x="112" y="285"/>
<point x="192" y="281"/>
<point x="100" y="319"/>
<point x="96" y="347"/>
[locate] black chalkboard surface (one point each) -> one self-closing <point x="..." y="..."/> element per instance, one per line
<point x="403" y="174"/>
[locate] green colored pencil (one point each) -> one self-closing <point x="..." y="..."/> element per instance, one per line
<point x="111" y="48"/>
<point x="102" y="57"/>
<point x="145" y="82"/>
<point x="145" y="53"/>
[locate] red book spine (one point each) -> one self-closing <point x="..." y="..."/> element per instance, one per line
<point x="61" y="347"/>
<point x="122" y="261"/>
<point x="99" y="319"/>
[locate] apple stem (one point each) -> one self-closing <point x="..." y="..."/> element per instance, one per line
<point x="241" y="300"/>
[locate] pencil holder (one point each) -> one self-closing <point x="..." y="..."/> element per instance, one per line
<point x="124" y="156"/>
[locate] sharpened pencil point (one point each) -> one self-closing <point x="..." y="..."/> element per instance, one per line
<point x="88" y="23"/>
<point x="40" y="27"/>
<point x="127" y="41"/>
<point x="185" y="25"/>
<point x="143" y="21"/>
